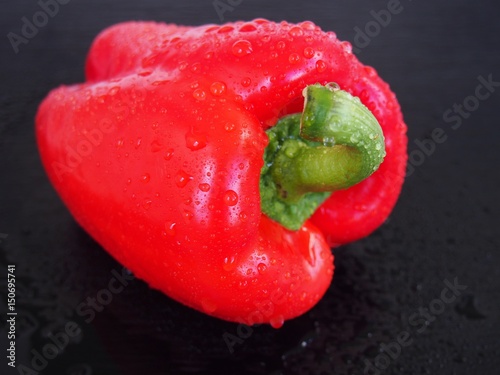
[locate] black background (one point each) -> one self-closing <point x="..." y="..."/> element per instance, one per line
<point x="445" y="225"/>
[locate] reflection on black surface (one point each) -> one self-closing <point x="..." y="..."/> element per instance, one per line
<point x="142" y="331"/>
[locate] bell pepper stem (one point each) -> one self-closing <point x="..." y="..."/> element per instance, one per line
<point x="334" y="144"/>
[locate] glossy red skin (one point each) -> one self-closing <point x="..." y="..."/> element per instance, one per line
<point x="348" y="215"/>
<point x="167" y="109"/>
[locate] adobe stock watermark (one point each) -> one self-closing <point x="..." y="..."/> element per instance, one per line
<point x="264" y="310"/>
<point x="32" y="25"/>
<point x="453" y="116"/>
<point x="380" y="20"/>
<point x="104" y="296"/>
<point x="421" y="320"/>
<point x="223" y="6"/>
<point x="76" y="154"/>
<point x="120" y="106"/>
<point x="87" y="310"/>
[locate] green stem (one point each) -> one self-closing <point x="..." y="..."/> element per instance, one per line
<point x="334" y="144"/>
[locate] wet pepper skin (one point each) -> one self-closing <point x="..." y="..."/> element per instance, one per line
<point x="158" y="157"/>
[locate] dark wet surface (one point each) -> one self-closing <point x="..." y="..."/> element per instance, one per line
<point x="388" y="289"/>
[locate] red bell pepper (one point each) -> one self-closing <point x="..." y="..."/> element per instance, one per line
<point x="161" y="157"/>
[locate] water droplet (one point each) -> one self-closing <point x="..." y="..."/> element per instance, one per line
<point x="242" y="284"/>
<point x="217" y="88"/>
<point x="294" y="58"/>
<point x="320" y="66"/>
<point x="211" y="28"/>
<point x="281" y="45"/>
<point x="196" y="67"/>
<point x="261" y="267"/>
<point x="204" y="187"/>
<point x="229" y="126"/>
<point x="230" y="198"/>
<point x="243" y="216"/>
<point x="360" y="207"/>
<point x="155" y="146"/>
<point x="378" y="147"/>
<point x="245" y="82"/>
<point x="228" y="263"/>
<point x="199" y="94"/>
<point x="182" y="178"/>
<point x="247" y="28"/>
<point x="225" y="29"/>
<point x="170" y="228"/>
<point x="147" y="204"/>
<point x="296" y="31"/>
<point x="308" y="25"/>
<point x="119" y="143"/>
<point x="138" y="143"/>
<point x="113" y="90"/>
<point x="145" y="178"/>
<point x="168" y="155"/>
<point x="188" y="215"/>
<point x="277" y="321"/>
<point x="196" y="141"/>
<point x="308" y="52"/>
<point x="160" y="82"/>
<point x="347" y="47"/>
<point x="208" y="305"/>
<point x="241" y="48"/>
<point x="370" y="71"/>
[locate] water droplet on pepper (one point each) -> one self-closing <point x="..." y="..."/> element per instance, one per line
<point x="308" y="52"/>
<point x="245" y="82"/>
<point x="217" y="88"/>
<point x="204" y="187"/>
<point x="114" y="90"/>
<point x="294" y="58"/>
<point x="182" y="178"/>
<point x="247" y="28"/>
<point x="277" y="321"/>
<point x="296" y="31"/>
<point x="228" y="263"/>
<point x="242" y="48"/>
<point x="320" y="66"/>
<point x="170" y="228"/>
<point x="230" y="198"/>
<point x="208" y="305"/>
<point x="147" y="204"/>
<point x="196" y="141"/>
<point x="199" y="94"/>
<point x="155" y="146"/>
<point x="168" y="155"/>
<point x="261" y="267"/>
